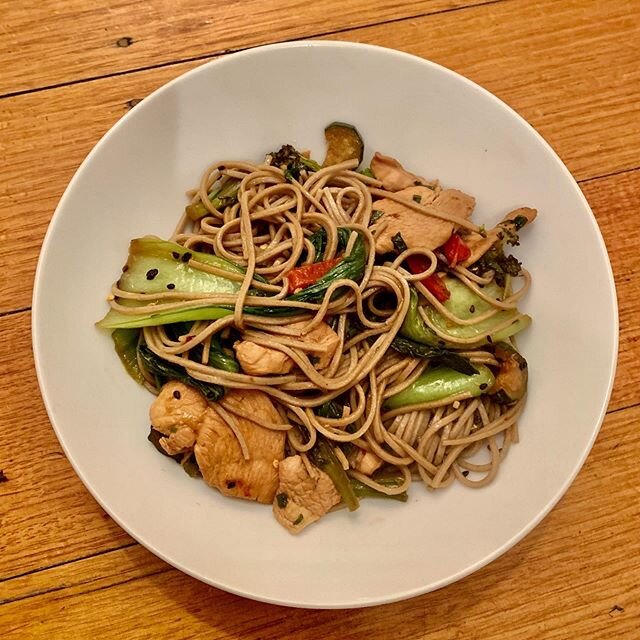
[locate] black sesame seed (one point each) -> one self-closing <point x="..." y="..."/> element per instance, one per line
<point x="151" y="274"/>
<point x="472" y="308"/>
<point x="231" y="484"/>
<point x="125" y="268"/>
<point x="186" y="257"/>
<point x="175" y="254"/>
<point x="489" y="340"/>
<point x="465" y="473"/>
<point x="177" y="395"/>
<point x="282" y="499"/>
<point x="171" y="286"/>
<point x="483" y="386"/>
<point x="417" y="198"/>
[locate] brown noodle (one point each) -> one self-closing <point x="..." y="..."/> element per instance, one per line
<point x="267" y="231"/>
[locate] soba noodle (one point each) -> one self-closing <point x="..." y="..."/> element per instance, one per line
<point x="267" y="231"/>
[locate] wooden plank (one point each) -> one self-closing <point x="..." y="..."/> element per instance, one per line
<point x="40" y="45"/>
<point x="577" y="575"/>
<point x="594" y="126"/>
<point x="46" y="514"/>
<point x="611" y="200"/>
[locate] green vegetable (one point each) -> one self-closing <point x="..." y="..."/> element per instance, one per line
<point x="376" y="214"/>
<point x="292" y="162"/>
<point x="343" y="143"/>
<point x="398" y="243"/>
<point x="436" y="355"/>
<point x="464" y="304"/>
<point x="154" y="263"/>
<point x="221" y="360"/>
<point x="115" y="319"/>
<point x="387" y="477"/>
<point x="299" y="519"/>
<point x="323" y="456"/>
<point x="126" y="345"/>
<point x="367" y="172"/>
<point x="158" y="266"/>
<point x="440" y="383"/>
<point x="319" y="241"/>
<point x="226" y="195"/>
<point x="190" y="465"/>
<point x="165" y="371"/>
<point x="282" y="499"/>
<point x="330" y="409"/>
<point x="350" y="268"/>
<point x="511" y="380"/>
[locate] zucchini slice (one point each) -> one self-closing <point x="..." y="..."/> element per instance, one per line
<point x="343" y="143"/>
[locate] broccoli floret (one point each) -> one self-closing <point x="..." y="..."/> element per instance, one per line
<point x="292" y="162"/>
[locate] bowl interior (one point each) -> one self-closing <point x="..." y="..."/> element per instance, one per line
<point x="439" y="125"/>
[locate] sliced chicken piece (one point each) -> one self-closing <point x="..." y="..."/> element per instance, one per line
<point x="479" y="245"/>
<point x="366" y="462"/>
<point x="323" y="338"/>
<point x="219" y="455"/>
<point x="393" y="175"/>
<point x="302" y="497"/>
<point x="421" y="230"/>
<point x="258" y="360"/>
<point x="177" y="412"/>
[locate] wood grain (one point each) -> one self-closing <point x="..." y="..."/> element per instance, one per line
<point x="594" y="139"/>
<point x="569" y="66"/>
<point x="52" y="42"/>
<point x="46" y="514"/>
<point x="565" y="580"/>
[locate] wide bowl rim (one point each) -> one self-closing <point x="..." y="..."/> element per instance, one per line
<point x="37" y="320"/>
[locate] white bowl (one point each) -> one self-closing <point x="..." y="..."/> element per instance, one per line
<point x="440" y="125"/>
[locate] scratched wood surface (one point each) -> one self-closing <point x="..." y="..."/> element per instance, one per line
<point x="70" y="69"/>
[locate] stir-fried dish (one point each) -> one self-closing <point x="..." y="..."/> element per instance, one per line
<point x="318" y="333"/>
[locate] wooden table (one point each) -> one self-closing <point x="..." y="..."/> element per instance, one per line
<point x="70" y="68"/>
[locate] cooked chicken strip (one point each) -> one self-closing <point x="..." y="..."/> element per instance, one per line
<point x="420" y="230"/>
<point x="188" y="421"/>
<point x="258" y="360"/>
<point x="302" y="498"/>
<point x="393" y="175"/>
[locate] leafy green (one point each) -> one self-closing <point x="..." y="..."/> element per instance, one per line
<point x="323" y="456"/>
<point x="125" y="342"/>
<point x="165" y="371"/>
<point x="223" y="197"/>
<point x="387" y="477"/>
<point x="441" y="383"/>
<point x="292" y="162"/>
<point x="437" y="356"/>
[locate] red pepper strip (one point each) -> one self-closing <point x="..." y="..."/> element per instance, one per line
<point x="305" y="276"/>
<point x="455" y="250"/>
<point x="433" y="283"/>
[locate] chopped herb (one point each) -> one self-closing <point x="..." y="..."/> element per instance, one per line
<point x="151" y="274"/>
<point x="367" y="172"/>
<point x="299" y="519"/>
<point x="376" y="214"/>
<point x="282" y="499"/>
<point x="398" y="243"/>
<point x="417" y="198"/>
<point x="3" y="476"/>
<point x="519" y="222"/>
<point x="292" y="162"/>
<point x="177" y="395"/>
<point x="482" y="231"/>
<point x="171" y="286"/>
<point x="186" y="257"/>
